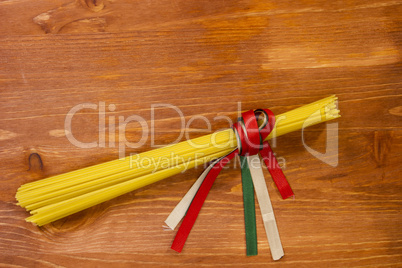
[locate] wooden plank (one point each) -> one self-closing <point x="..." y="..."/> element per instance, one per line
<point x="205" y="57"/>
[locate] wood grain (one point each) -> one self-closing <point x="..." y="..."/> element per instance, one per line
<point x="205" y="57"/>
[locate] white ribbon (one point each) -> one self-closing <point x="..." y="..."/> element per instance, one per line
<point x="180" y="210"/>
<point x="266" y="209"/>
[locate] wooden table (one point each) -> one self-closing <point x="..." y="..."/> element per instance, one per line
<point x="206" y="58"/>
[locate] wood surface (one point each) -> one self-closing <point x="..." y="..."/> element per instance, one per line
<point x="205" y="57"/>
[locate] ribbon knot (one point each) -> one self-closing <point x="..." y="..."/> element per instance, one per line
<point x="250" y="136"/>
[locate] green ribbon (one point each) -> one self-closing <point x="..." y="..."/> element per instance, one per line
<point x="249" y="208"/>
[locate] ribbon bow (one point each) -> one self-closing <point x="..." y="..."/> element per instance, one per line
<point x="250" y="139"/>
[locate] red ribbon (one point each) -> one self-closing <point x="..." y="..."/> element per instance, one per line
<point x="198" y="201"/>
<point x="250" y="142"/>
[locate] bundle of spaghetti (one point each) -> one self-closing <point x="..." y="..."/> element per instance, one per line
<point x="56" y="197"/>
